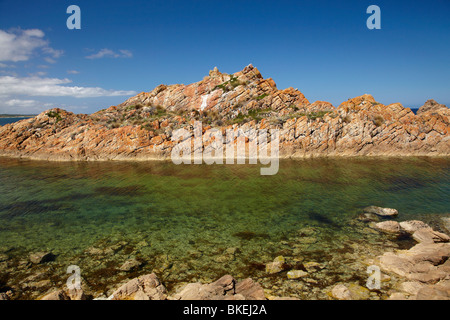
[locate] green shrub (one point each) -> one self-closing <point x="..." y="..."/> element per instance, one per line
<point x="261" y="96"/>
<point x="54" y="114"/>
<point x="293" y="107"/>
<point x="317" y="114"/>
<point x="230" y="84"/>
<point x="134" y="107"/>
<point x="147" y="127"/>
<point x="378" y="121"/>
<point x="347" y="119"/>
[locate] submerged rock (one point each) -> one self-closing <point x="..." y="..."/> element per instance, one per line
<point x="341" y="292"/>
<point x="276" y="266"/>
<point x="312" y="266"/>
<point x="130" y="265"/>
<point x="383" y="212"/>
<point x="368" y="217"/>
<point x="296" y="274"/>
<point x="41" y="257"/>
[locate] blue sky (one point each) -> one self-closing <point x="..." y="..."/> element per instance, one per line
<point x="323" y="48"/>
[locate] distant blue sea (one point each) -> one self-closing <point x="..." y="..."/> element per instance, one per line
<point x="4" y="121"/>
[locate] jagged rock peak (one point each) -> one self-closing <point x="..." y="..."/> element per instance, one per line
<point x="358" y="102"/>
<point x="431" y="105"/>
<point x="214" y="73"/>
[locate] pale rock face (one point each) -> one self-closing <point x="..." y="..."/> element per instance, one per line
<point x="275" y="266"/>
<point x="397" y="296"/>
<point x="411" y="287"/>
<point x="76" y="294"/>
<point x="341" y="292"/>
<point x="226" y="288"/>
<point x="424" y="268"/>
<point x="389" y="226"/>
<point x="428" y="235"/>
<point x="296" y="274"/>
<point x="431" y="106"/>
<point x="412" y="226"/>
<point x="147" y="287"/>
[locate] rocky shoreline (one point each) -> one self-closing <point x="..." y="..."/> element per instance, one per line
<point x="411" y="255"/>
<point x="141" y="128"/>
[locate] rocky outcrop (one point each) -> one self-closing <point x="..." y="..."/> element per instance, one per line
<point x="432" y="106"/>
<point x="389" y="226"/>
<point x="351" y="291"/>
<point x="412" y="226"/>
<point x="428" y="235"/>
<point x="141" y="128"/>
<point x="146" y="287"/>
<point x="226" y="288"/>
<point x="149" y="287"/>
<point x="341" y="292"/>
<point x="382" y="212"/>
<point x="425" y="268"/>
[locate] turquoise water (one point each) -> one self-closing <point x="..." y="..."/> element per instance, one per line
<point x="185" y="217"/>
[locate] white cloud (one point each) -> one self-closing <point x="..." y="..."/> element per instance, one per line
<point x="20" y="45"/>
<point x="39" y="73"/>
<point x="111" y="54"/>
<point x="9" y="73"/>
<point x="52" y="87"/>
<point x="54" y="53"/>
<point x="20" y="103"/>
<point x="3" y="65"/>
<point x="49" y="60"/>
<point x="73" y="72"/>
<point x="21" y="106"/>
<point x="126" y="53"/>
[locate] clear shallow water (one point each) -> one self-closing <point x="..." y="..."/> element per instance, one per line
<point x="189" y="215"/>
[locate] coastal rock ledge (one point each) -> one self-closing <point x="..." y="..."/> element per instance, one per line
<point x="142" y="127"/>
